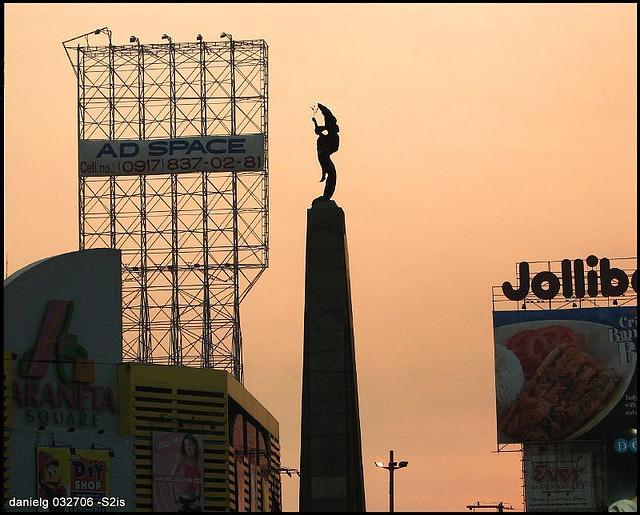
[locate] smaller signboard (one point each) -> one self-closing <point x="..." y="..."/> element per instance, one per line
<point x="53" y="467"/>
<point x="90" y="475"/>
<point x="178" y="471"/>
<point x="559" y="477"/>
<point x="103" y="158"/>
<point x="73" y="476"/>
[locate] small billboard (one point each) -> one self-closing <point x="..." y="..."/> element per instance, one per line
<point x="103" y="158"/>
<point x="178" y="471"/>
<point x="563" y="476"/>
<point x="72" y="476"/>
<point x="53" y="473"/>
<point x="90" y="474"/>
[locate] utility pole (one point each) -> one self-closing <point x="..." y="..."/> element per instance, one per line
<point x="391" y="467"/>
<point x="391" y="474"/>
<point x="499" y="506"/>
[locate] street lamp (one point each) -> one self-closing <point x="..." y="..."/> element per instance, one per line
<point x="232" y="63"/>
<point x="391" y="467"/>
<point x="67" y="48"/>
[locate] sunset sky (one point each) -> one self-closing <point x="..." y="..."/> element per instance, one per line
<point x="472" y="137"/>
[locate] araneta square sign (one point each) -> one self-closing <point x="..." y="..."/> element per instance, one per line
<point x="62" y="338"/>
<point x="62" y="328"/>
<point x="56" y="379"/>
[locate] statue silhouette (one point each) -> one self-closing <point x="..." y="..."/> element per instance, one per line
<point x="327" y="144"/>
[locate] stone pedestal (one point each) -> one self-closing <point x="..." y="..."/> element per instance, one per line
<point x="331" y="476"/>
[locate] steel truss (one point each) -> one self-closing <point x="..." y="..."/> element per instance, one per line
<point x="193" y="244"/>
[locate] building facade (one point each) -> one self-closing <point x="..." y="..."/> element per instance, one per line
<point x="84" y="431"/>
<point x="239" y="437"/>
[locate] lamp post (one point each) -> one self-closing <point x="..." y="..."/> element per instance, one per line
<point x="391" y="467"/>
<point x="103" y="30"/>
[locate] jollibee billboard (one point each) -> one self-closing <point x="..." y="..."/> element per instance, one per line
<point x="565" y="374"/>
<point x="570" y="376"/>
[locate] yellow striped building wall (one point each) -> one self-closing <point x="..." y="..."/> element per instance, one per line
<point x="181" y="399"/>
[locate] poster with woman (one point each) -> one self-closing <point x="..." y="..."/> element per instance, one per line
<point x="178" y="469"/>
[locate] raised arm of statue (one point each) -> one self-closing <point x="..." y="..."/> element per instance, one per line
<point x="318" y="128"/>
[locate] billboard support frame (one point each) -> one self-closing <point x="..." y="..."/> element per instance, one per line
<point x="193" y="244"/>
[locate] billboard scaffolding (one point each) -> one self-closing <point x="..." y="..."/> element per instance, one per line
<point x="193" y="242"/>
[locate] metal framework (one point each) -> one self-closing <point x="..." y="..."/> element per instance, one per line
<point x="193" y="244"/>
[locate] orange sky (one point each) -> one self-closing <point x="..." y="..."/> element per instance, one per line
<point x="472" y="137"/>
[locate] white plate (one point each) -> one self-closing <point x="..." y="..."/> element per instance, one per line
<point x="596" y="343"/>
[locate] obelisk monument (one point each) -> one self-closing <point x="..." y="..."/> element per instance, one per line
<point x="331" y="477"/>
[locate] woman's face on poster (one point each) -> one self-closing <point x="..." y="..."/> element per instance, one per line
<point x="189" y="447"/>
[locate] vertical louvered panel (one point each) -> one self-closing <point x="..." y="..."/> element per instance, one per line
<point x="199" y="412"/>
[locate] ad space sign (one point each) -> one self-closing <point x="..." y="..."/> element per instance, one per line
<point x="102" y="158"/>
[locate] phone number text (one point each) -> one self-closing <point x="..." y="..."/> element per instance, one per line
<point x="173" y="165"/>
